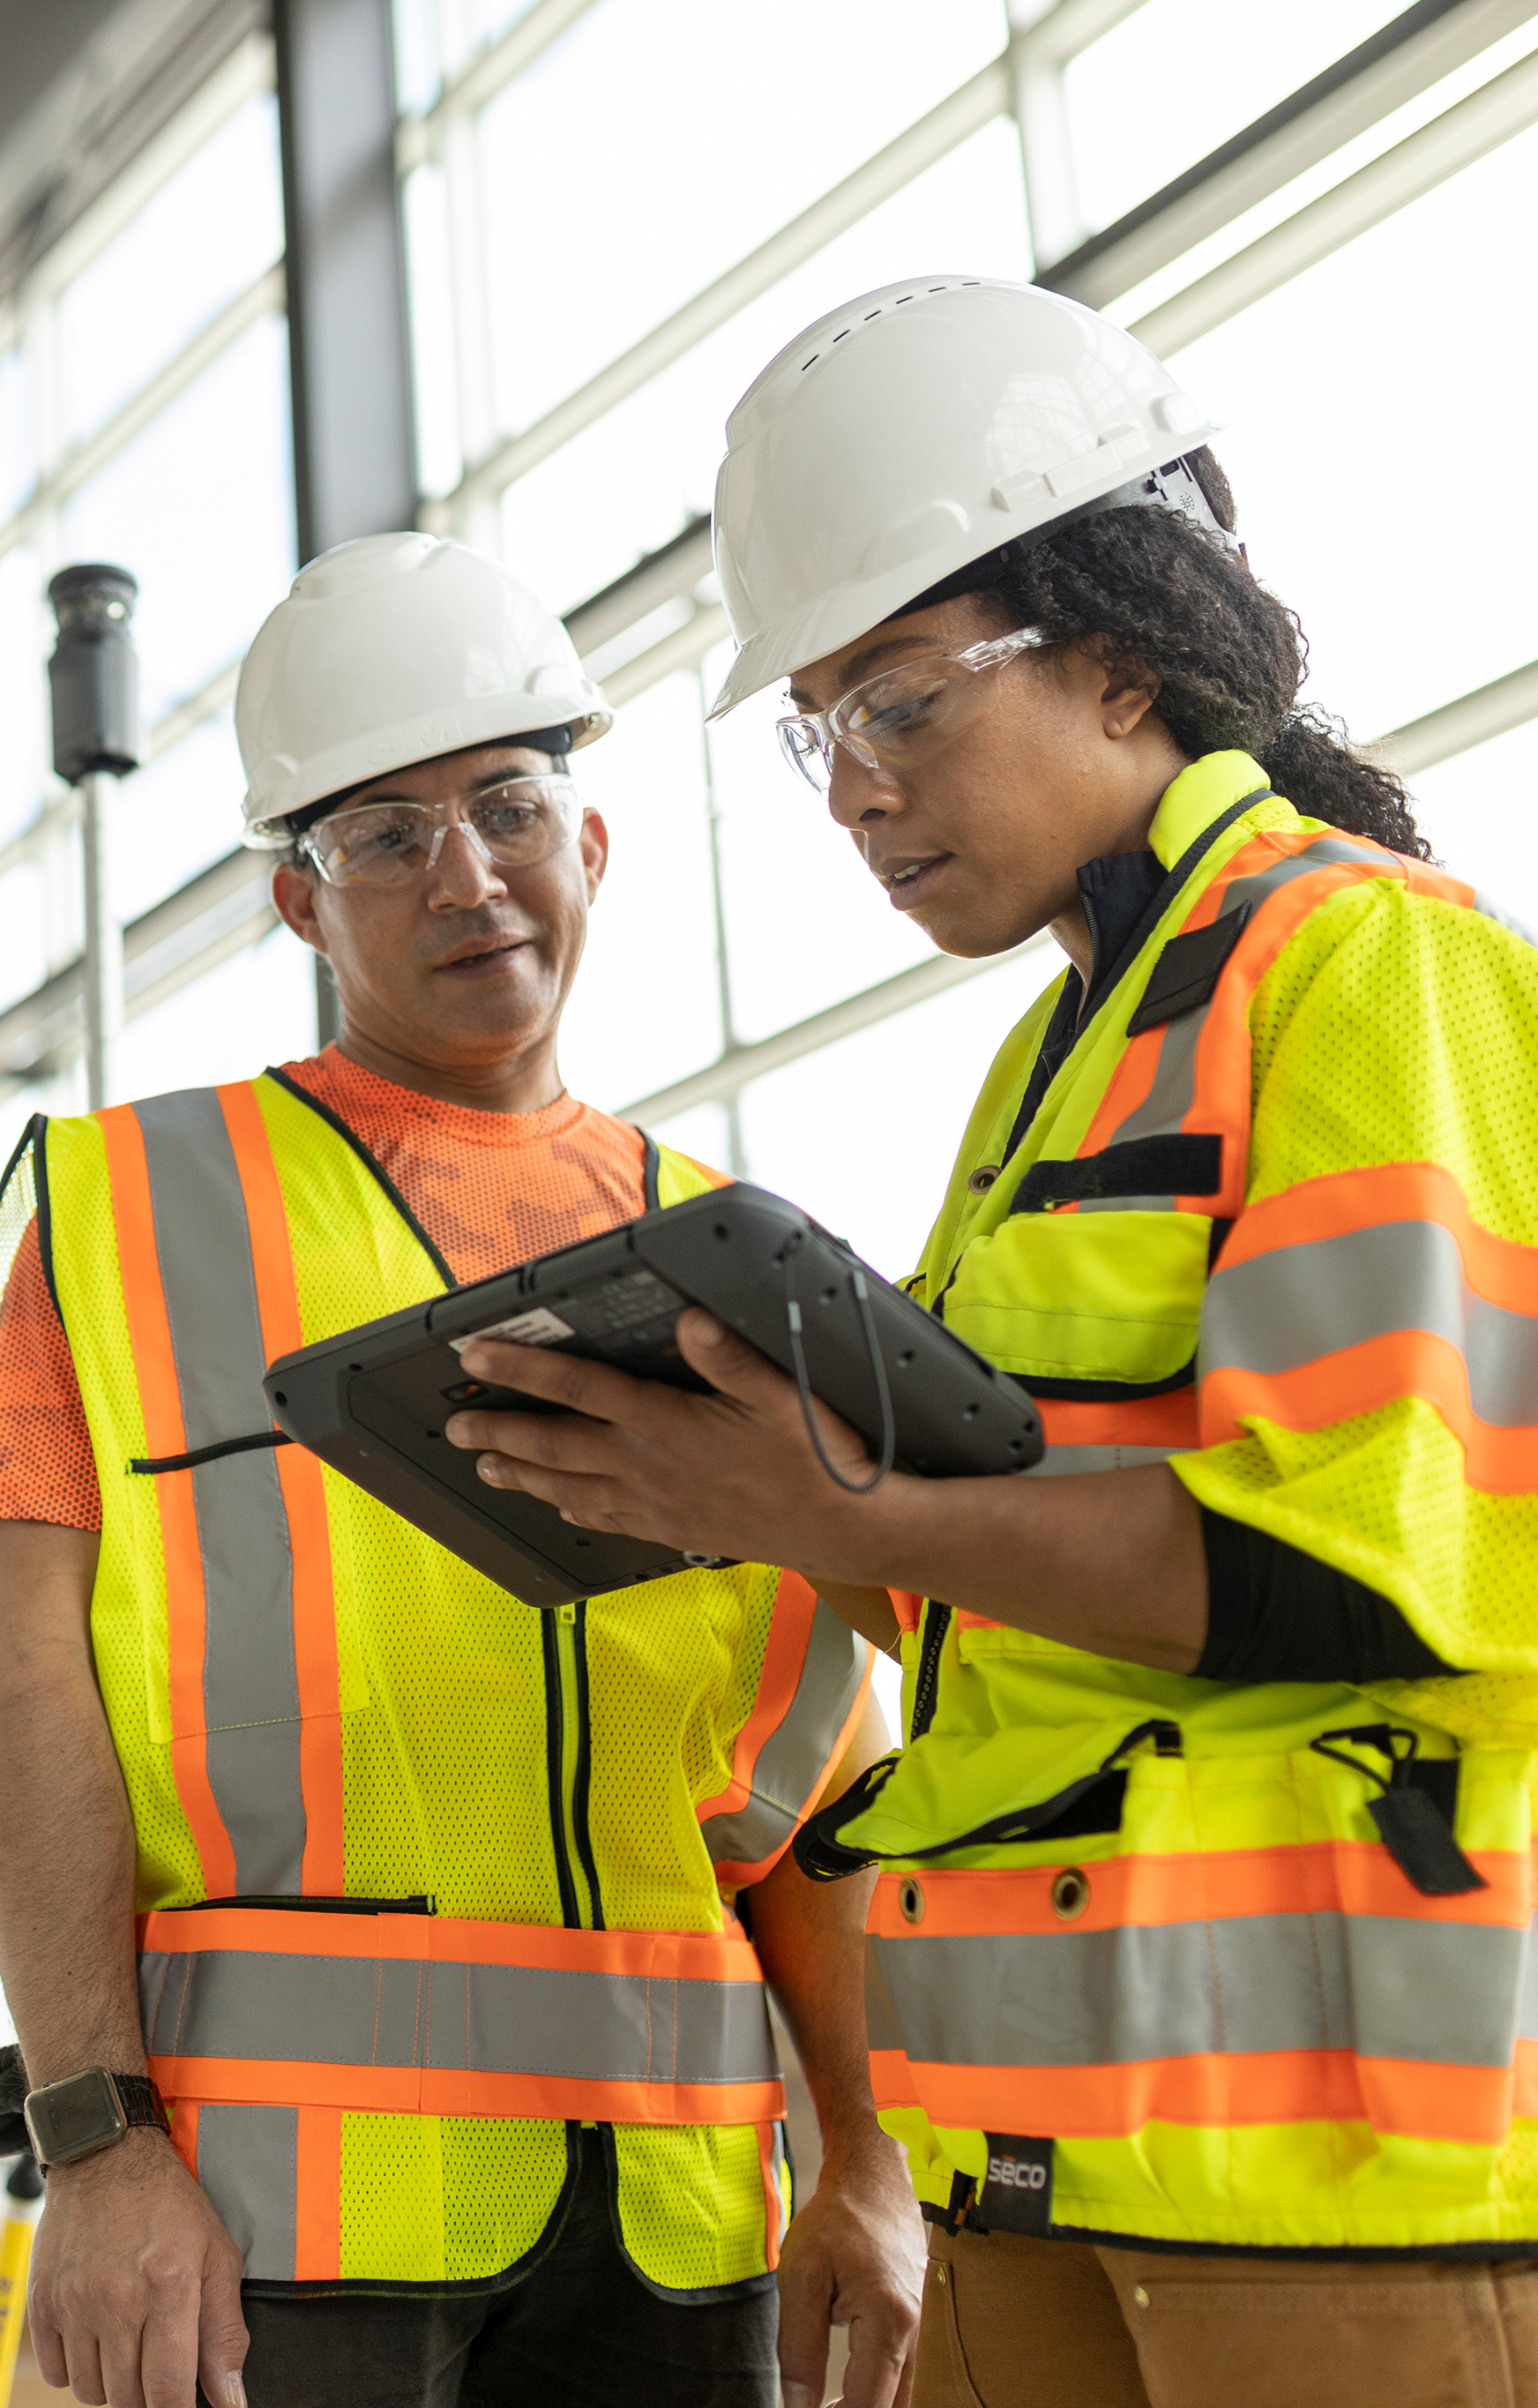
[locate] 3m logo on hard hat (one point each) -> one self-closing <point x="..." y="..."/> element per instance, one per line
<point x="433" y="735"/>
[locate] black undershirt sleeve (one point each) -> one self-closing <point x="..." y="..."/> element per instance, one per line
<point x="1275" y="1613"/>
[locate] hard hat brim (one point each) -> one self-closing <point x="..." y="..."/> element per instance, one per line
<point x="495" y="719"/>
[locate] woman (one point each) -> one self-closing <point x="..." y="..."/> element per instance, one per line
<point x="1197" y="1960"/>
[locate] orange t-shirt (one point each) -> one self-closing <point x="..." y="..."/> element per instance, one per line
<point x="489" y="1189"/>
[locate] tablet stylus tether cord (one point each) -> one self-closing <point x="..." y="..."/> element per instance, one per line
<point x="804" y="1385"/>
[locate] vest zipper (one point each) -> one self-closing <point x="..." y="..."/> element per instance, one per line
<point x="568" y="1706"/>
<point x="926" y="1686"/>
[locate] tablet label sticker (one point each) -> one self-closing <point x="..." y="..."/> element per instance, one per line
<point x="538" y="1327"/>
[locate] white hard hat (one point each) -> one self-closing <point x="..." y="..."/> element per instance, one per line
<point x="393" y="650"/>
<point x="910" y="433"/>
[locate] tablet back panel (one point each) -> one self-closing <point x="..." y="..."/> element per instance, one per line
<point x="373" y="1402"/>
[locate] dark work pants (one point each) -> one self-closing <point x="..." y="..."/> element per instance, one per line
<point x="582" y="2331"/>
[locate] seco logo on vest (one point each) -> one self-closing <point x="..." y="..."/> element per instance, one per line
<point x="430" y="1880"/>
<point x="1255" y="1960"/>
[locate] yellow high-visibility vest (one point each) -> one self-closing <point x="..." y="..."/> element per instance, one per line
<point x="428" y="1879"/>
<point x="1166" y="1959"/>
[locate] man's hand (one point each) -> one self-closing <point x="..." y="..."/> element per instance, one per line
<point x="134" y="2296"/>
<point x="854" y="2255"/>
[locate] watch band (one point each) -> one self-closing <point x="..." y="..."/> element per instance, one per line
<point x="141" y="2101"/>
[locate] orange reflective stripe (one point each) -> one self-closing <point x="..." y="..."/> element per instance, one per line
<point x="1342" y="1202"/>
<point x="164" y="1433"/>
<point x="303" y="1487"/>
<point x="1312" y="1877"/>
<point x="431" y="1939"/>
<point x="1426" y="2102"/>
<point x="1142" y="1421"/>
<point x="435" y="2091"/>
<point x="183" y="2114"/>
<point x="317" y="2196"/>
<point x="1358" y="1380"/>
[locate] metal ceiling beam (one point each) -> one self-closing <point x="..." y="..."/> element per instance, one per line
<point x="1395" y="65"/>
<point x="1469" y="131"/>
<point x="741" y="1064"/>
<point x="421" y="138"/>
<point x="965" y="113"/>
<point x="1507" y="703"/>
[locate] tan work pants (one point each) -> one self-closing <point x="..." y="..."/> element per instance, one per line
<point x="1012" y="2323"/>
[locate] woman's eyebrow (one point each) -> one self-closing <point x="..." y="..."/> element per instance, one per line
<point x="860" y="664"/>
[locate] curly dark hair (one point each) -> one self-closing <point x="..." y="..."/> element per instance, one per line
<point x="1168" y="596"/>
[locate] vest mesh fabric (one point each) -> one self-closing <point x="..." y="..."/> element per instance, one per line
<point x="1396" y="1027"/>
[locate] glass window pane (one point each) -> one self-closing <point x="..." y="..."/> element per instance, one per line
<point x="23" y="956"/>
<point x="425" y="209"/>
<point x="1477" y="810"/>
<point x="18" y="430"/>
<point x="863" y="1134"/>
<point x="25" y="643"/>
<point x="177" y="817"/>
<point x="203" y="238"/>
<point x="1172" y="83"/>
<point x="200" y="506"/>
<point x="805" y="922"/>
<point x="629" y="144"/>
<point x="645" y="1010"/>
<point x="416" y="55"/>
<point x="257" y="1008"/>
<point x="586" y="514"/>
<point x="1373" y="464"/>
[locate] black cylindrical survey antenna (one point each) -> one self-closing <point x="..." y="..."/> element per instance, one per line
<point x="94" y="672"/>
<point x="95" y="679"/>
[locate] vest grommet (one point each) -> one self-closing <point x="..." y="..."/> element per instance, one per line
<point x="981" y="1181"/>
<point x="910" y="1898"/>
<point x="1070" y="1894"/>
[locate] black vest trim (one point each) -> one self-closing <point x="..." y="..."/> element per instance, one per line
<point x="1181" y="1164"/>
<point x="1187" y="971"/>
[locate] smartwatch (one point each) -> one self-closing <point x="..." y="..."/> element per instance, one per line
<point x="90" y="2112"/>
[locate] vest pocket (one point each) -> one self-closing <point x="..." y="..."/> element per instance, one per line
<point x="1097" y="1298"/>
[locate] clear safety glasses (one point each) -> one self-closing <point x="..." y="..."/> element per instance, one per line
<point x="904" y="716"/>
<point x="385" y="843"/>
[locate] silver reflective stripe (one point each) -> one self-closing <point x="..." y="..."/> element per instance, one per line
<point x="1058" y="1459"/>
<point x="248" y="2161"/>
<point x="250" y="1689"/>
<point x="1284" y="1309"/>
<point x="794" y="1759"/>
<point x="1381" y="1985"/>
<point x="392" y="2012"/>
<point x="1491" y="911"/>
<point x="1163" y="1110"/>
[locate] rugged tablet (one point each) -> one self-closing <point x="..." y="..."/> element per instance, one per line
<point x="373" y="1402"/>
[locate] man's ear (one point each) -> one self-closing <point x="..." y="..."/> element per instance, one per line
<point x="293" y="900"/>
<point x="594" y="841"/>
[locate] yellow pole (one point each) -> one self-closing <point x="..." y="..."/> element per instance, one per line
<point x="23" y="2206"/>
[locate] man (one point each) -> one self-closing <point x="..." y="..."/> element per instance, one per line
<point x="415" y="1864"/>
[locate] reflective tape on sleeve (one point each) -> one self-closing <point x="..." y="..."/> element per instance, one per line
<point x="1348" y="1290"/>
<point x="815" y="1676"/>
